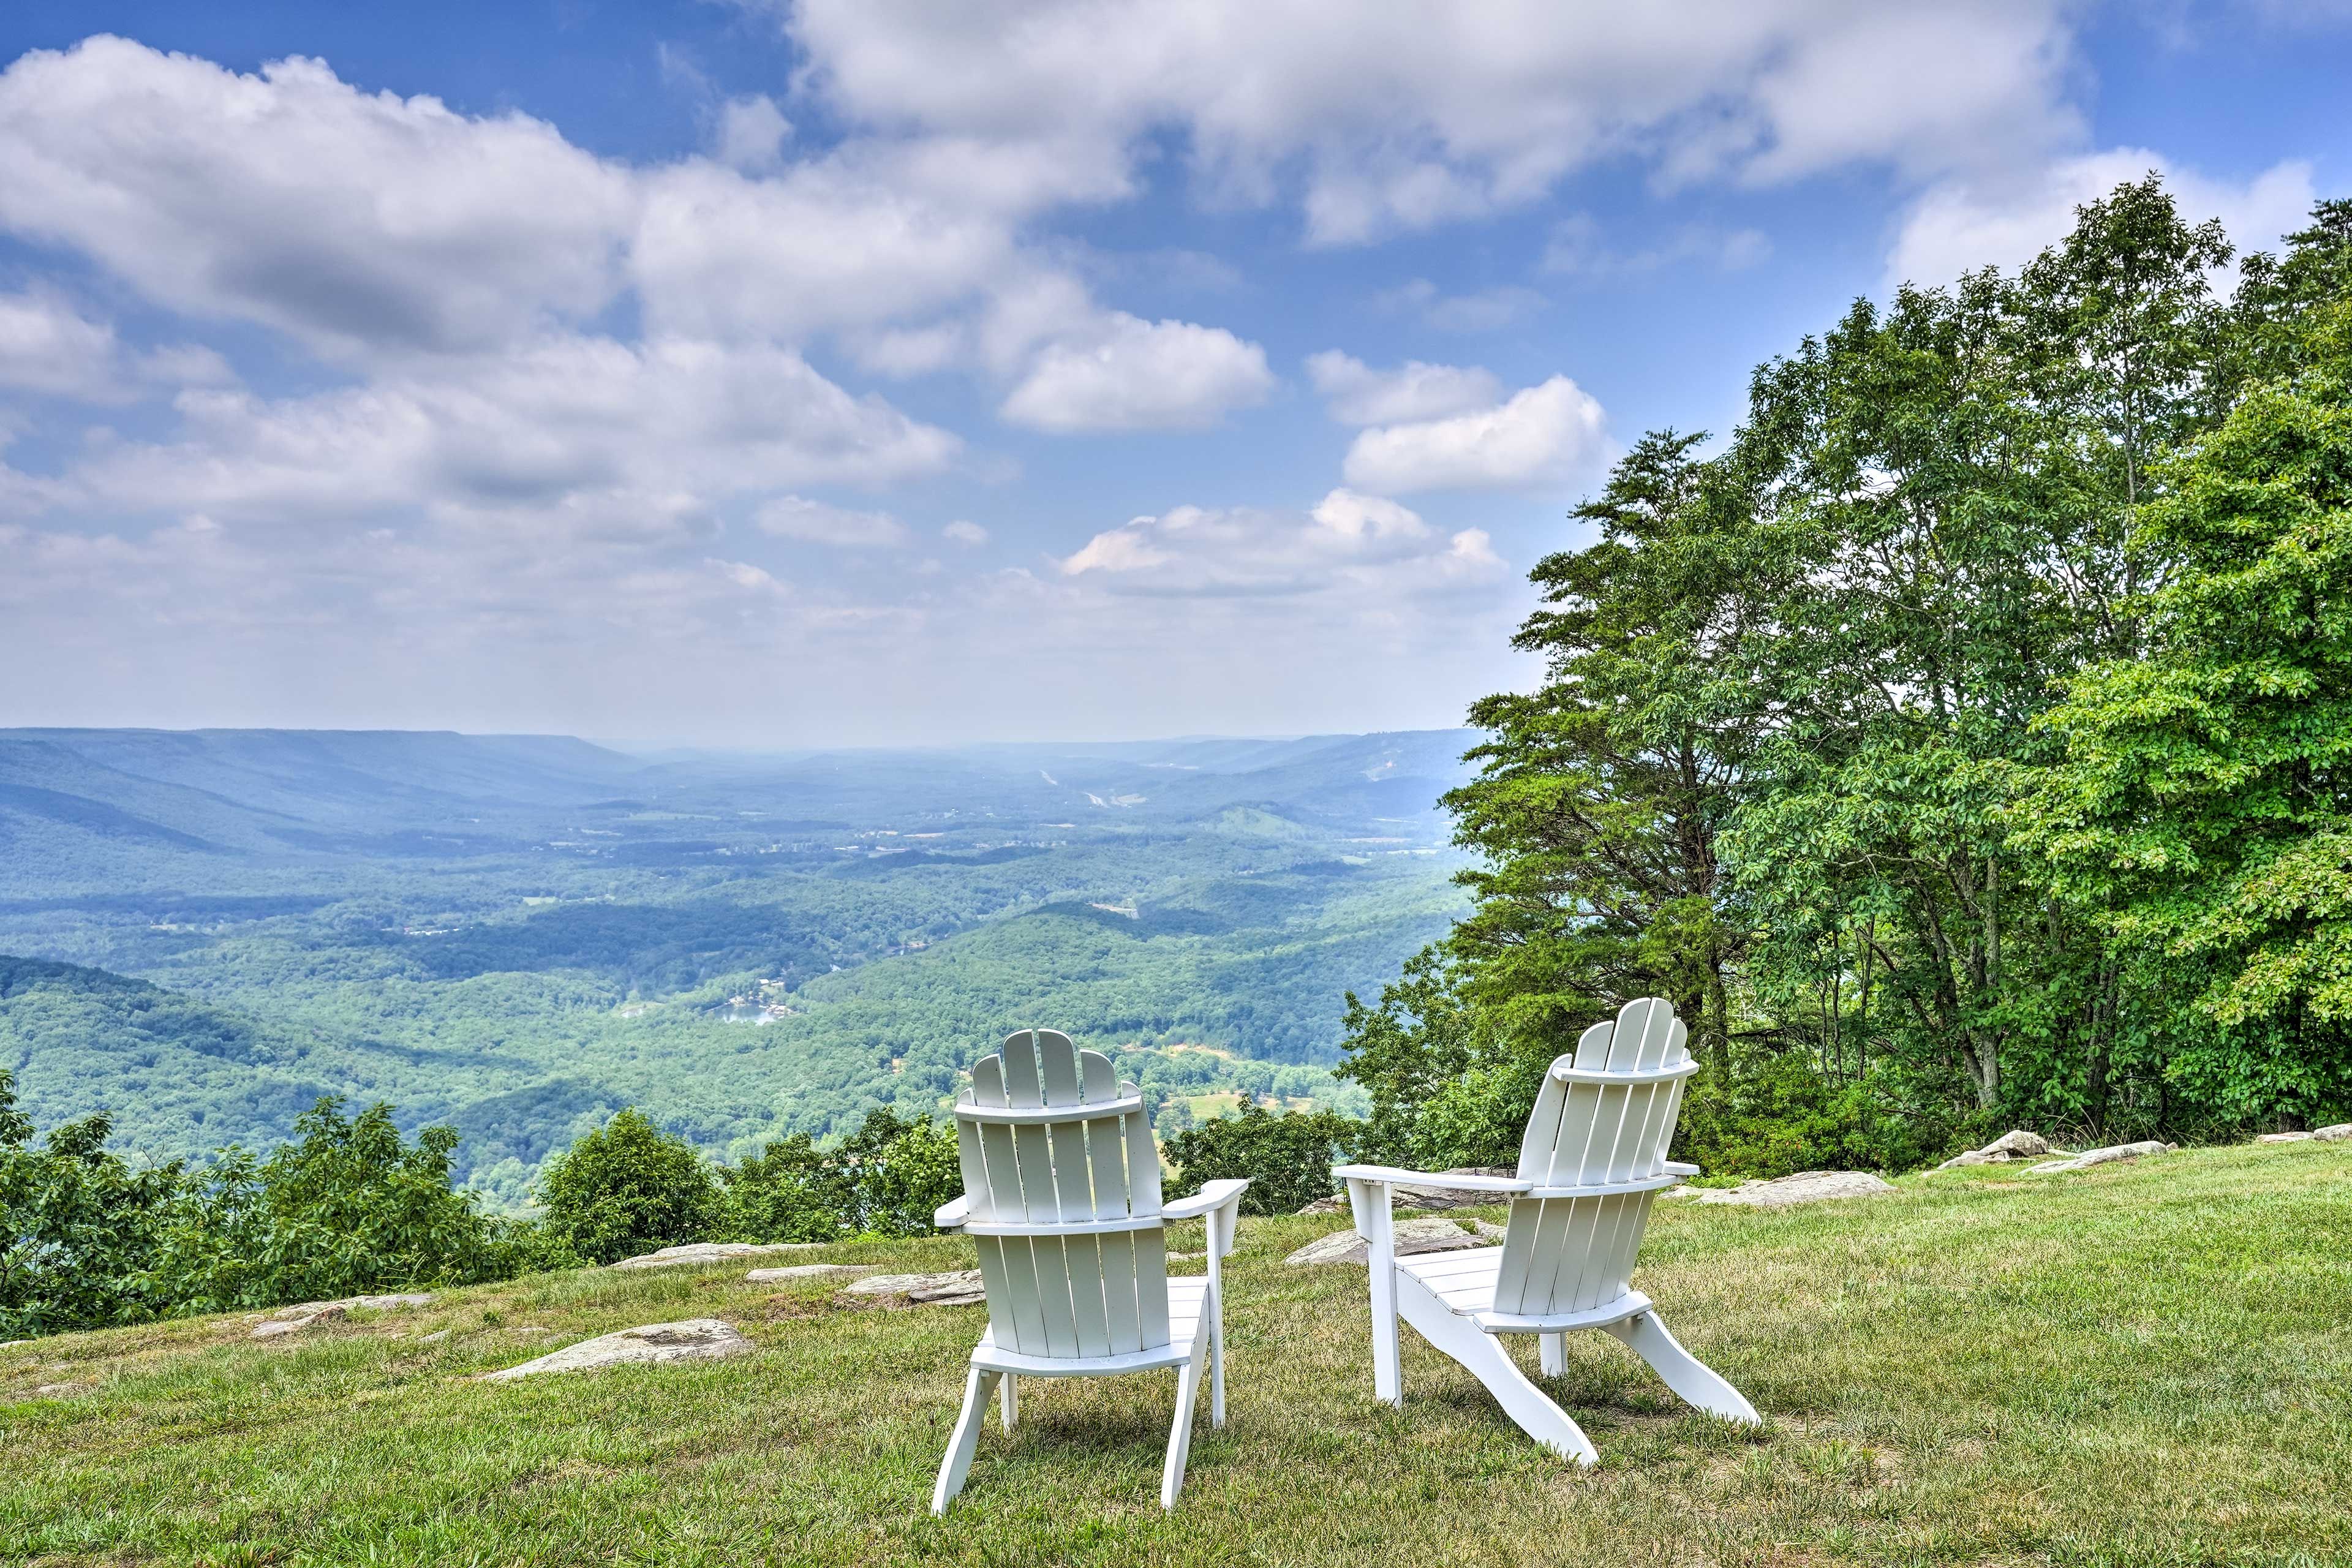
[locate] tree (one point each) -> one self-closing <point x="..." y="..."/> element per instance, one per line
<point x="1287" y="1159"/>
<point x="628" y="1188"/>
<point x="80" y="1226"/>
<point x="2205" y="797"/>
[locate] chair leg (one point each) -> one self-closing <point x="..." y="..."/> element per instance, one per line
<point x="1683" y="1371"/>
<point x="1215" y="1308"/>
<point x="1011" y="1398"/>
<point x="1552" y="1350"/>
<point x="1179" y="1436"/>
<point x="1485" y="1359"/>
<point x="1388" y="1372"/>
<point x="961" y="1447"/>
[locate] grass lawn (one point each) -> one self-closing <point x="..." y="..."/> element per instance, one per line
<point x="2139" y="1363"/>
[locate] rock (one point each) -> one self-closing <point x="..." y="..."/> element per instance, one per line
<point x="2018" y="1144"/>
<point x="1413" y="1235"/>
<point x="54" y="1390"/>
<point x="294" y="1319"/>
<point x="1412" y="1196"/>
<point x="808" y="1271"/>
<point x="433" y="1339"/>
<point x="2283" y="1138"/>
<point x="655" y="1344"/>
<point x="1804" y="1187"/>
<point x="707" y="1252"/>
<point x="960" y="1289"/>
<point x="2339" y="1133"/>
<point x="2089" y="1158"/>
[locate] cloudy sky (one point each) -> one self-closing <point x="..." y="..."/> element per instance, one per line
<point x="841" y="372"/>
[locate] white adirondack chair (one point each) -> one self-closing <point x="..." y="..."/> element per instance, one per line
<point x="1061" y="1186"/>
<point x="1593" y="1160"/>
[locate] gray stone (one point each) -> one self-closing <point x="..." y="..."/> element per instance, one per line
<point x="655" y="1344"/>
<point x="959" y="1289"/>
<point x="2091" y="1157"/>
<point x="2339" y="1133"/>
<point x="2011" y="1146"/>
<point x="1408" y="1196"/>
<point x="1804" y="1187"/>
<point x="807" y="1272"/>
<point x="1413" y="1235"/>
<point x="2335" y="1134"/>
<point x="2283" y="1138"/>
<point x="294" y="1319"/>
<point x="702" y="1253"/>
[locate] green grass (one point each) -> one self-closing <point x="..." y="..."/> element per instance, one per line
<point x="2140" y="1363"/>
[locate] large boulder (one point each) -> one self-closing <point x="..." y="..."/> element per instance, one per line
<point x="2091" y="1157"/>
<point x="1788" y="1191"/>
<point x="808" y="1271"/>
<point x="2335" y="1134"/>
<point x="1413" y="1235"/>
<point x="2018" y="1144"/>
<point x="310" y="1314"/>
<point x="962" y="1288"/>
<point x="703" y="1253"/>
<point x="655" y="1344"/>
<point x="1416" y="1196"/>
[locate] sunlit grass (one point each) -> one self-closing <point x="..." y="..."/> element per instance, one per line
<point x="2144" y="1363"/>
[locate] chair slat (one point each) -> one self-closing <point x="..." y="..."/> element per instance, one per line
<point x="1058" y="1067"/>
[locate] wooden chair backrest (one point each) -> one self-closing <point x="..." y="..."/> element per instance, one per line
<point x="1082" y="1294"/>
<point x="1566" y="1255"/>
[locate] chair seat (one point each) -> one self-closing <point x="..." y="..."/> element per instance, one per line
<point x="1464" y="1282"/>
<point x="1186" y="1295"/>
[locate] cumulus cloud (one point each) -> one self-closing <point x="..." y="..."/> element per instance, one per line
<point x="48" y="346"/>
<point x="1137" y="374"/>
<point x="1542" y="438"/>
<point x="965" y="532"/>
<point x="816" y="522"/>
<point x="1422" y="112"/>
<point x="751" y="131"/>
<point x="1355" y="394"/>
<point x="1961" y="225"/>
<point x="291" y="198"/>
<point x="1361" y="548"/>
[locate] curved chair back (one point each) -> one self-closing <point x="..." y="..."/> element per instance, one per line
<point x="1596" y="1148"/>
<point x="1063" y="1180"/>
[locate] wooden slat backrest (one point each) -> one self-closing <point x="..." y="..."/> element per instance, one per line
<point x="1063" y="1295"/>
<point x="1565" y="1255"/>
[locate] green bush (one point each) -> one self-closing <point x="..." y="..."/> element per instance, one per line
<point x="885" y="1179"/>
<point x="1287" y="1159"/>
<point x="628" y="1187"/>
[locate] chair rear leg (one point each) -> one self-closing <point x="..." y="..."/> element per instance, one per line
<point x="1554" y="1353"/>
<point x="966" y="1438"/>
<point x="1485" y="1359"/>
<point x="1179" y="1436"/>
<point x="1012" y="1399"/>
<point x="1683" y="1371"/>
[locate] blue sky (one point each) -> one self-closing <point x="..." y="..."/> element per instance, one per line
<point x="839" y="373"/>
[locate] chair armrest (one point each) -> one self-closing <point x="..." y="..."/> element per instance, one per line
<point x="1680" y="1168"/>
<point x="949" y="1216"/>
<point x="1388" y="1175"/>
<point x="1211" y="1195"/>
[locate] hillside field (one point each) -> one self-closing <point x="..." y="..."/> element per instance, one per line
<point x="2141" y="1364"/>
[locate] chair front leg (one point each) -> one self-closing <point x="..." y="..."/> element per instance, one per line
<point x="1377" y="1225"/>
<point x="965" y="1440"/>
<point x="1012" y="1407"/>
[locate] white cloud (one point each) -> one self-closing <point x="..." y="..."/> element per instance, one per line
<point x="751" y="131"/>
<point x="1355" y="394"/>
<point x="1361" y="550"/>
<point x="1355" y="516"/>
<point x="1420" y="112"/>
<point x="1963" y="226"/>
<point x="292" y="199"/>
<point x="1577" y="245"/>
<point x="1485" y="311"/>
<point x="1139" y="375"/>
<point x="816" y="522"/>
<point x="592" y="434"/>
<point x="965" y="532"/>
<point x="48" y="346"/>
<point x="1543" y="439"/>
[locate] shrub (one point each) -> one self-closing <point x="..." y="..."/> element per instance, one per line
<point x="1287" y="1159"/>
<point x="885" y="1179"/>
<point x="627" y="1188"/>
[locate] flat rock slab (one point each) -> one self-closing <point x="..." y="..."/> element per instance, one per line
<point x="959" y="1289"/>
<point x="2340" y="1132"/>
<point x="707" y="1252"/>
<point x="1413" y="1235"/>
<point x="655" y="1344"/>
<point x="294" y="1319"/>
<point x="1788" y="1191"/>
<point x="2091" y="1157"/>
<point x="1412" y="1196"/>
<point x="2004" y="1149"/>
<point x="807" y="1272"/>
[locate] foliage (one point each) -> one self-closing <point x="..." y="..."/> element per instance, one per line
<point x="1963" y="745"/>
<point x="1286" y="1159"/>
<point x="885" y="1179"/>
<point x="80" y="1226"/>
<point x="628" y="1187"/>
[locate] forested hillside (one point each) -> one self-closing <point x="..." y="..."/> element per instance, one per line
<point x="520" y="935"/>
